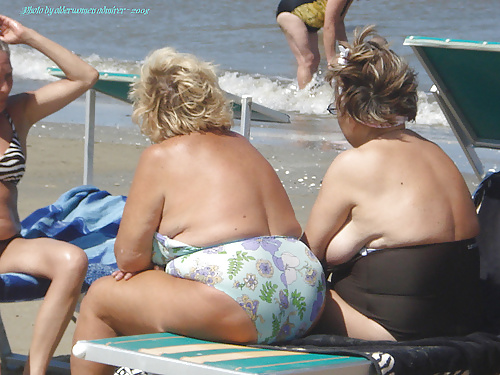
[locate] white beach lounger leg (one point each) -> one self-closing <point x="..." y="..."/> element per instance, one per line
<point x="88" y="156"/>
<point x="246" y="113"/>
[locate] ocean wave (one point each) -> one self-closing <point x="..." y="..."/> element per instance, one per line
<point x="29" y="64"/>
<point x="283" y="95"/>
<point x="278" y="93"/>
<point x="429" y="112"/>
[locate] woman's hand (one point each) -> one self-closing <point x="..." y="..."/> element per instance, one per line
<point x="11" y="32"/>
<point x="119" y="275"/>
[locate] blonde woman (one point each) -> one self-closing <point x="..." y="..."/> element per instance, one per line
<point x="210" y="212"/>
<point x="394" y="218"/>
<point x="64" y="264"/>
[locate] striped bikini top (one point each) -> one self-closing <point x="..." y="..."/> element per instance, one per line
<point x="13" y="161"/>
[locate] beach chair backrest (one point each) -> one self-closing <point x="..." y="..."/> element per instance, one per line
<point x="466" y="73"/>
<point x="487" y="200"/>
<point x="466" y="81"/>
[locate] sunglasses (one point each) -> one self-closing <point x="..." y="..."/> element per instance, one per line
<point x="332" y="109"/>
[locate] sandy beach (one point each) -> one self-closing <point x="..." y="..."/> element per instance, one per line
<point x="56" y="165"/>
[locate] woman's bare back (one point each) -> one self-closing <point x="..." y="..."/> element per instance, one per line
<point x="230" y="185"/>
<point x="405" y="191"/>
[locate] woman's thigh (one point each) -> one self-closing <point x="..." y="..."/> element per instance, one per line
<point x="153" y="301"/>
<point x="41" y="257"/>
<point x="354" y="324"/>
<point x="302" y="42"/>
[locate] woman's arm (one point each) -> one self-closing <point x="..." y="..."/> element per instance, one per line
<point x="50" y="98"/>
<point x="333" y="28"/>
<point x="142" y="214"/>
<point x="331" y="209"/>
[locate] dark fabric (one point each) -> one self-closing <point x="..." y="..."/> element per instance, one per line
<point x="478" y="352"/>
<point x="416" y="292"/>
<point x="7" y="241"/>
<point x="16" y="287"/>
<point x="290" y="5"/>
<point x="487" y="199"/>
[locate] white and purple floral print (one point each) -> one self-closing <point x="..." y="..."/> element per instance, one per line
<point x="277" y="280"/>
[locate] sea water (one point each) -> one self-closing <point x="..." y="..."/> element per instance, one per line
<point x="242" y="38"/>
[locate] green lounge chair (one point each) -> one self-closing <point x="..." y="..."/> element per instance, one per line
<point x="466" y="81"/>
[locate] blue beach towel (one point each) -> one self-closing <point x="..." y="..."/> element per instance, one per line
<point x="84" y="216"/>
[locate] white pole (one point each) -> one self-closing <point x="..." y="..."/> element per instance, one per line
<point x="88" y="154"/>
<point x="246" y="113"/>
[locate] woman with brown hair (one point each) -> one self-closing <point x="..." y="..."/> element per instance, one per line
<point x="394" y="220"/>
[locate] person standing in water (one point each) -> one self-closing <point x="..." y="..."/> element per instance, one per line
<point x="300" y="21"/>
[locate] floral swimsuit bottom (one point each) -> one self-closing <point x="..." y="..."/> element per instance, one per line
<point x="277" y="280"/>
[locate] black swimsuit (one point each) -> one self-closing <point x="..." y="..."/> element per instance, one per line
<point x="415" y="292"/>
<point x="290" y="5"/>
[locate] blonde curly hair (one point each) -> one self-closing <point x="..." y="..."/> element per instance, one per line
<point x="373" y="85"/>
<point x="178" y="94"/>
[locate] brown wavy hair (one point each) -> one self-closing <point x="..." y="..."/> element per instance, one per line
<point x="178" y="94"/>
<point x="375" y="86"/>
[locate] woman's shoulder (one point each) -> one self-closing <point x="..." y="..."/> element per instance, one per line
<point x="359" y="158"/>
<point x="16" y="106"/>
<point x="192" y="146"/>
<point x="167" y="145"/>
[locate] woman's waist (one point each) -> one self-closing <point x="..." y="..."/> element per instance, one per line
<point x="8" y="227"/>
<point x="166" y="249"/>
<point x="9" y="217"/>
<point x="428" y="267"/>
<point x="188" y="241"/>
<point x="209" y="233"/>
<point x="365" y="241"/>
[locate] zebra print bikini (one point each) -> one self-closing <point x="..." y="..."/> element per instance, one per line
<point x="13" y="161"/>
